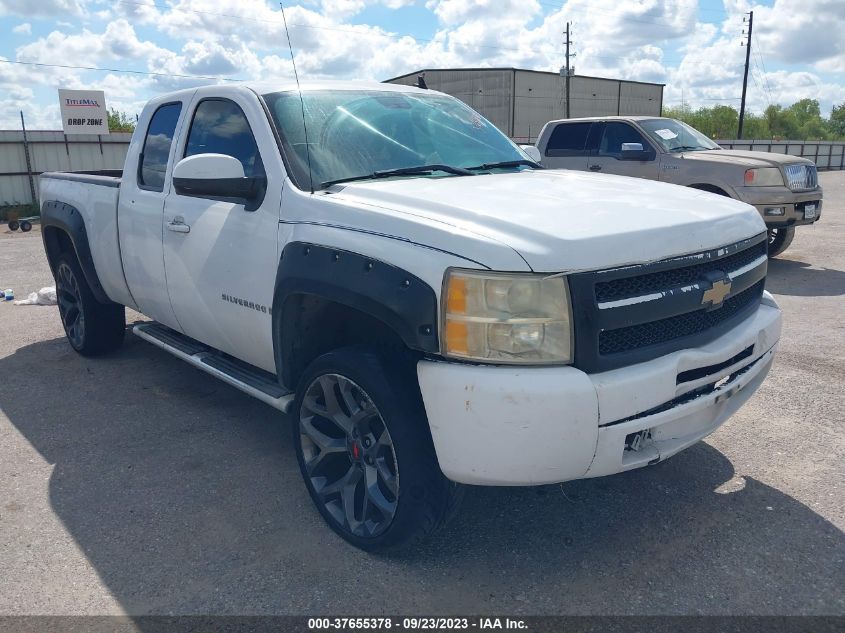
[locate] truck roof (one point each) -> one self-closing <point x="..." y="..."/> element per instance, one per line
<point x="638" y="117"/>
<point x="265" y="87"/>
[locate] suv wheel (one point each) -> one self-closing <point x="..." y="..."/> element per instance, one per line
<point x="92" y="328"/>
<point x="780" y="239"/>
<point x="366" y="455"/>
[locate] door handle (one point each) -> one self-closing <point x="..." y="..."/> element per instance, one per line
<point x="178" y="225"/>
<point x="595" y="167"/>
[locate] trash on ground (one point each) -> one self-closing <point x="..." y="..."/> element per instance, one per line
<point x="44" y="297"/>
<point x="8" y="294"/>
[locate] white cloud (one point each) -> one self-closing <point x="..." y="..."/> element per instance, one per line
<point x="647" y="40"/>
<point x="23" y="29"/>
<point x="40" y="8"/>
<point x="809" y="33"/>
<point x="119" y="41"/>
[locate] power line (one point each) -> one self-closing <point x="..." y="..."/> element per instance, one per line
<point x="305" y="26"/>
<point x="116" y="70"/>
<point x="765" y="72"/>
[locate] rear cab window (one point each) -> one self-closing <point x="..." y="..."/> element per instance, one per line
<point x="568" y="139"/>
<point x="157" y="143"/>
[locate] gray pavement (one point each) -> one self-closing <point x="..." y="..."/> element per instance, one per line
<point x="137" y="484"/>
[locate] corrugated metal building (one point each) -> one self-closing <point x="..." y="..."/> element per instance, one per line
<point x="53" y="151"/>
<point x="519" y="102"/>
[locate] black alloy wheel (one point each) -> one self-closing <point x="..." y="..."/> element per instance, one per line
<point x="365" y="451"/>
<point x="348" y="455"/>
<point x="69" y="297"/>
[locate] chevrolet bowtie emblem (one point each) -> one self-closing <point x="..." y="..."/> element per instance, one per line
<point x="716" y="295"/>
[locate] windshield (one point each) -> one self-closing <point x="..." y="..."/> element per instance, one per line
<point x="355" y="134"/>
<point x="675" y="136"/>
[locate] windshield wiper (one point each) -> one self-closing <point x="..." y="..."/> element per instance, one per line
<point x="402" y="171"/>
<point x="688" y="148"/>
<point x="505" y="164"/>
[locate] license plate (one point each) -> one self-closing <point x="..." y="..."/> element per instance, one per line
<point x="809" y="211"/>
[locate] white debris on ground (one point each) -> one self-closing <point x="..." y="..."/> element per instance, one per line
<point x="44" y="297"/>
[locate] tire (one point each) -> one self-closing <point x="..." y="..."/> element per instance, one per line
<point x="780" y="239"/>
<point x="26" y="226"/>
<point x="375" y="434"/>
<point x="13" y="225"/>
<point x="92" y="328"/>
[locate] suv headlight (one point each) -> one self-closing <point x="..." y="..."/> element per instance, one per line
<point x="764" y="177"/>
<point x="506" y="317"/>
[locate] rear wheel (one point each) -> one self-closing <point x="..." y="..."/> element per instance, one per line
<point x="780" y="239"/>
<point x="91" y="327"/>
<point x="365" y="452"/>
<point x="26" y="226"/>
<point x="13" y="225"/>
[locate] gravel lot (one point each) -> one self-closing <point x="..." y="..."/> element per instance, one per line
<point x="137" y="484"/>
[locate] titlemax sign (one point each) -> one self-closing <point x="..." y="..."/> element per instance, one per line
<point x="91" y="103"/>
<point x="84" y="112"/>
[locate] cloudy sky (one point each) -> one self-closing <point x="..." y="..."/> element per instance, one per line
<point x="693" y="46"/>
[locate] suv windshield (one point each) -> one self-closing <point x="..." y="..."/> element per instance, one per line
<point x="675" y="136"/>
<point x="363" y="134"/>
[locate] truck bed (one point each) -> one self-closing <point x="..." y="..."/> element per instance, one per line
<point x="103" y="177"/>
<point x="94" y="195"/>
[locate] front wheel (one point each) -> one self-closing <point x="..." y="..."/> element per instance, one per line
<point x="91" y="327"/>
<point x="365" y="453"/>
<point x="780" y="239"/>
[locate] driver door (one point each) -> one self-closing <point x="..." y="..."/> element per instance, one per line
<point x="220" y="254"/>
<point x="607" y="158"/>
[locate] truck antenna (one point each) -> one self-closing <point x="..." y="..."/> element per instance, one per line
<point x="301" y="100"/>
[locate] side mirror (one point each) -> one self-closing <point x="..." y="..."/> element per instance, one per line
<point x="532" y="152"/>
<point x="635" y="151"/>
<point x="217" y="176"/>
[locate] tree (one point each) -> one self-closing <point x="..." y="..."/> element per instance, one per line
<point x="120" y="122"/>
<point x="837" y="121"/>
<point x="756" y="127"/>
<point x="800" y="121"/>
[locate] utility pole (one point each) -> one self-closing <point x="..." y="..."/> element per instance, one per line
<point x="568" y="70"/>
<point x="745" y="77"/>
<point x="28" y="162"/>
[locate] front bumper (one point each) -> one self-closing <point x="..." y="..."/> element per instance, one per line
<point x="792" y="203"/>
<point x="532" y="425"/>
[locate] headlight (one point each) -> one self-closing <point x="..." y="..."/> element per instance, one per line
<point x="506" y="318"/>
<point x="764" y="177"/>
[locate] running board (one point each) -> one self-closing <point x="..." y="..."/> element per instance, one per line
<point x="251" y="380"/>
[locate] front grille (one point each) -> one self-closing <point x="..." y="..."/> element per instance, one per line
<point x="801" y="177"/>
<point x="633" y="314"/>
<point x="652" y="282"/>
<point x="654" y="332"/>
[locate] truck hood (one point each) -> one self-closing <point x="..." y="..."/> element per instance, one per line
<point x="745" y="159"/>
<point x="560" y="220"/>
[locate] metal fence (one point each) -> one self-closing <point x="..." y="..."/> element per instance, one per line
<point x="22" y="161"/>
<point x="825" y="154"/>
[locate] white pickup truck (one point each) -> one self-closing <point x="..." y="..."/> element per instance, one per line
<point x="429" y="306"/>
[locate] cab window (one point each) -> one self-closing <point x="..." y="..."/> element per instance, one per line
<point x="568" y="139"/>
<point x="156" y="151"/>
<point x="615" y="134"/>
<point x="220" y="127"/>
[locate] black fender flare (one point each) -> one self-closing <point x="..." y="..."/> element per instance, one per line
<point x="68" y="219"/>
<point x="402" y="301"/>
